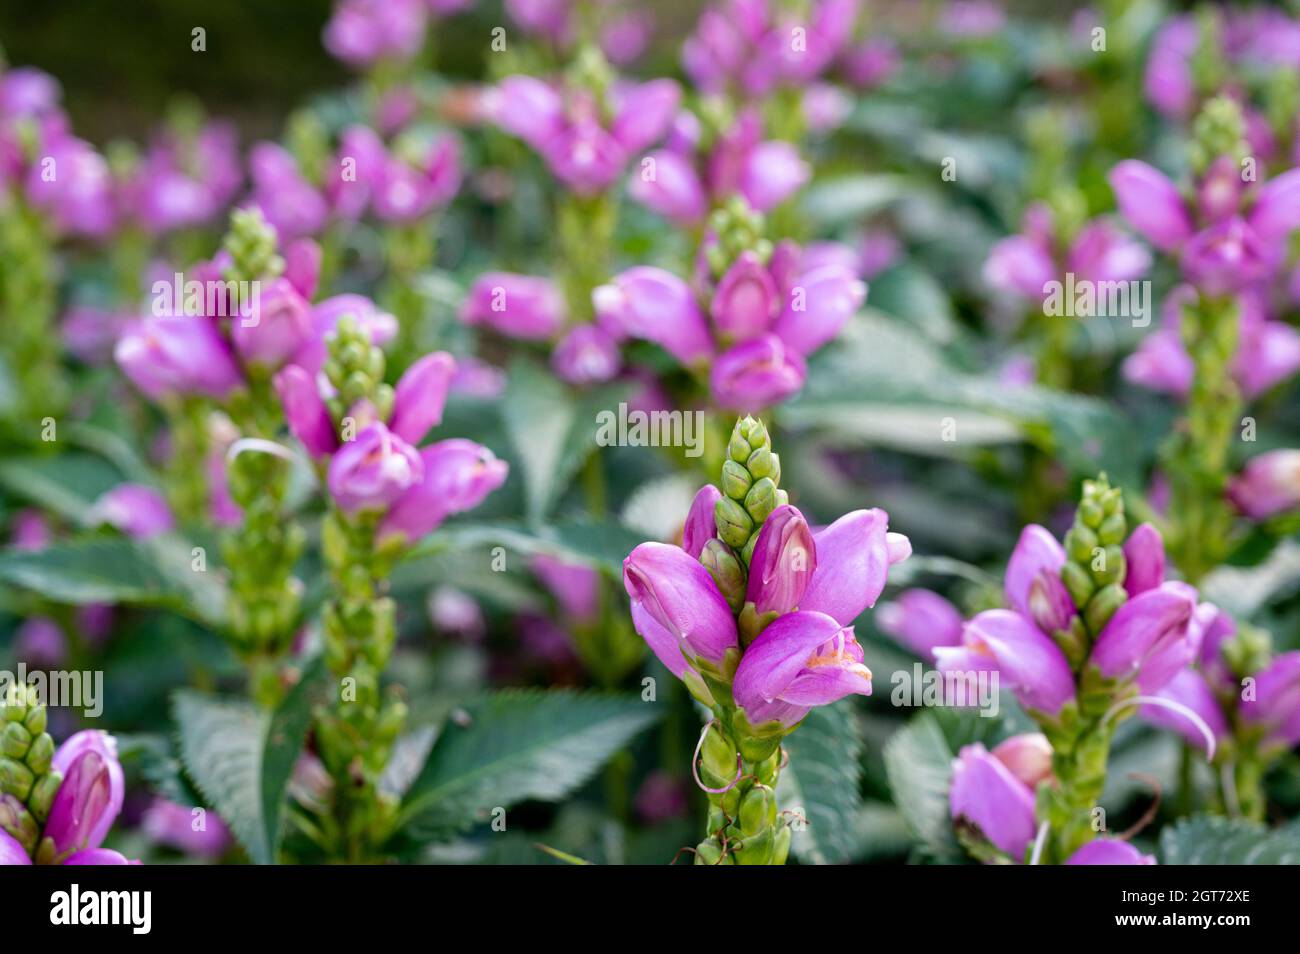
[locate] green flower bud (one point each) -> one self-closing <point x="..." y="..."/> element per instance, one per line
<point x="1078" y="583"/>
<point x="757" y="849"/>
<point x="1114" y="569"/>
<point x="1091" y="514"/>
<point x="718" y="758"/>
<point x="760" y="748"/>
<point x="15" y="741"/>
<point x="42" y="796"/>
<point x="1073" y="642"/>
<point x="40" y="754"/>
<point x="734" y="523"/>
<point x="1079" y="543"/>
<point x="19" y="822"/>
<point x="1103" y="606"/>
<point x="709" y="852"/>
<point x="761" y="463"/>
<point x="757" y="810"/>
<point x="755" y="433"/>
<point x="738" y="448"/>
<point x="761" y="499"/>
<point x="781" y="849"/>
<point x="726" y="571"/>
<point x="251" y="244"/>
<point x="1113" y="529"/>
<point x="767" y="770"/>
<point x="736" y="480"/>
<point x="16" y="778"/>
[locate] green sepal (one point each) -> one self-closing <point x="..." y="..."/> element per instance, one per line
<point x="709" y="851"/>
<point x="757" y="810"/>
<point x="756" y="849"/>
<point x="781" y="849"/>
<point x="751" y="623"/>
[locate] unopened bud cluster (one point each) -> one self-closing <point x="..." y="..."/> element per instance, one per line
<point x="750" y="489"/>
<point x="252" y="247"/>
<point x="737" y="228"/>
<point x="28" y="782"/>
<point x="1094" y="570"/>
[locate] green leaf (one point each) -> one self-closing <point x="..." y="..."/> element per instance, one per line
<point x="918" y="762"/>
<point x="1212" y="840"/>
<point x="914" y="295"/>
<point x="885" y="383"/>
<point x="517" y="745"/>
<point x="599" y="543"/>
<point x="68" y="484"/>
<point x="657" y="508"/>
<point x="848" y="199"/>
<point x="241" y="757"/>
<point x="823" y="779"/>
<point x="154" y="756"/>
<point x="101" y="569"/>
<point x="552" y="429"/>
<point x="1244" y="591"/>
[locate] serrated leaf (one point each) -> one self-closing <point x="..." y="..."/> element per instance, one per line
<point x="599" y="543"/>
<point x="241" y="757"/>
<point x="1243" y="591"/>
<point x="850" y="198"/>
<point x="514" y="746"/>
<point x="154" y="756"/>
<point x="918" y="762"/>
<point x="915" y="296"/>
<point x="823" y="780"/>
<point x="885" y="383"/>
<point x="552" y="430"/>
<point x="68" y="484"/>
<point x="154" y="572"/>
<point x="1213" y="840"/>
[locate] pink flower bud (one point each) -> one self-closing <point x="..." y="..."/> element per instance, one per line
<point x="676" y="606"/>
<point x="420" y="396"/>
<point x="306" y="413"/>
<point x="921" y="620"/>
<point x="1268" y="485"/>
<point x="987" y="794"/>
<point x="91" y="794"/>
<point x="783" y="562"/>
<point x="135" y="509"/>
<point x="756" y="374"/>
<point x="519" y="306"/>
<point x="177" y="356"/>
<point x="1151" y="204"/>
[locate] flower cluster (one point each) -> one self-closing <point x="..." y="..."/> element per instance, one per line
<point x="754" y="612"/>
<point x="753" y="314"/>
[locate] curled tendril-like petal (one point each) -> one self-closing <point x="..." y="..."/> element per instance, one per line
<point x="1039" y="841"/>
<point x="695" y="766"/>
<point x="1173" y="706"/>
<point x="257" y="445"/>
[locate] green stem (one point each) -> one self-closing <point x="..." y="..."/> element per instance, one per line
<point x="1197" y="456"/>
